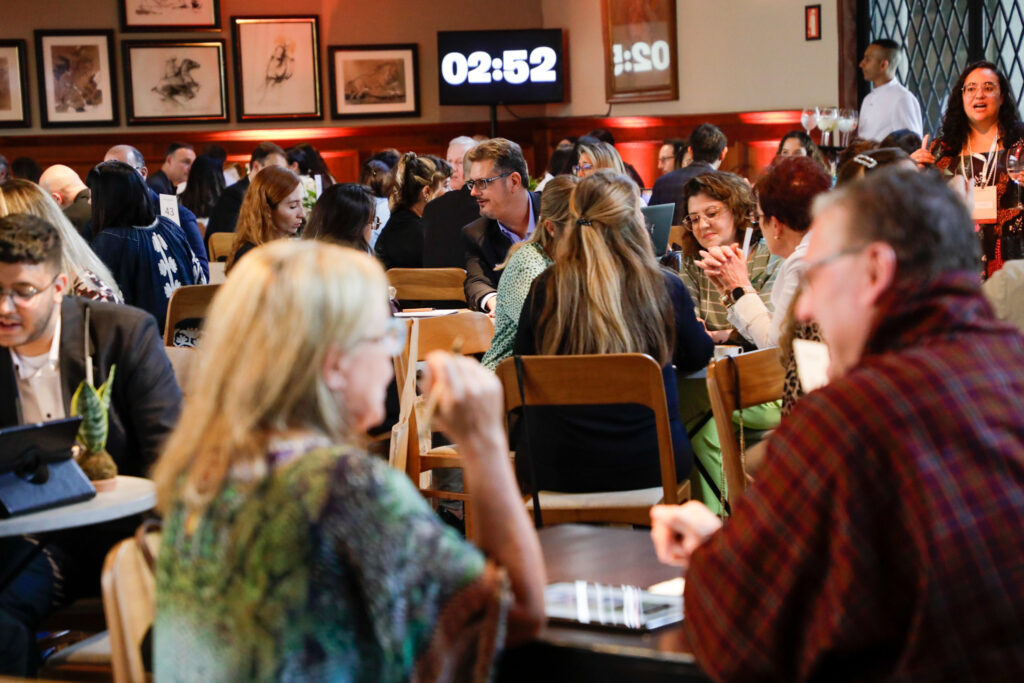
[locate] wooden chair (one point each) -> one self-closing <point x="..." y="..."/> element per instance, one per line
<point x="187" y="302"/>
<point x="428" y="284"/>
<point x="675" y="235"/>
<point x="220" y="244"/>
<point x="760" y="377"/>
<point x="218" y="272"/>
<point x="129" y="601"/>
<point x="183" y="360"/>
<point x="597" y="380"/>
<point x="414" y="455"/>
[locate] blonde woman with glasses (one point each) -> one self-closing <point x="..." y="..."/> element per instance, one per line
<point x="288" y="552"/>
<point x="90" y="277"/>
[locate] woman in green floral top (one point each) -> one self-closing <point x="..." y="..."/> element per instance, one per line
<point x="526" y="261"/>
<point x="287" y="553"/>
<point x="719" y="209"/>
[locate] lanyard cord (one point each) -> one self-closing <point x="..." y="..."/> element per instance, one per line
<point x="990" y="165"/>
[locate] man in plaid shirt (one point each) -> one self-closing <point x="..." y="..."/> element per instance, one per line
<point x="884" y="536"/>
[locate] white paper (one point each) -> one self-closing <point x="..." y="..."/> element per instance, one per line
<point x="746" y="243"/>
<point x="169" y="207"/>
<point x="670" y="587"/>
<point x="812" y="361"/>
<point x="436" y="313"/>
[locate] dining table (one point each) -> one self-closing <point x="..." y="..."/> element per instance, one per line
<point x="571" y="652"/>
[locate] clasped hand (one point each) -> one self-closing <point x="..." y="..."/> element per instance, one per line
<point x="725" y="266"/>
<point x="678" y="530"/>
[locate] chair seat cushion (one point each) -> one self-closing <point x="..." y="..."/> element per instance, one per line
<point x="93" y="650"/>
<point x="551" y="500"/>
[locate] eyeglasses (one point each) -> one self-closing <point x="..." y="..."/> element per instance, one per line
<point x="392" y="339"/>
<point x="482" y="183"/>
<point x="664" y="159"/>
<point x="582" y="167"/>
<point x="811" y="266"/>
<point x="988" y="89"/>
<point x="375" y="223"/>
<point x="22" y="293"/>
<point x="710" y="214"/>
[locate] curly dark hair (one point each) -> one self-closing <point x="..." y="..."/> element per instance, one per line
<point x="25" y="238"/>
<point x="955" y="126"/>
<point x="731" y="190"/>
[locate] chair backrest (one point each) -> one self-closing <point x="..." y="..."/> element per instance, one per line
<point x="760" y="377"/>
<point x="675" y="235"/>
<point x="129" y="604"/>
<point x="428" y="284"/>
<point x="220" y="245"/>
<point x="438" y="334"/>
<point x="187" y="302"/>
<point x="596" y="380"/>
<point x="183" y="360"/>
<point x="218" y="272"/>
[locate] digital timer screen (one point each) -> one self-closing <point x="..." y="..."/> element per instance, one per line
<point x="492" y="67"/>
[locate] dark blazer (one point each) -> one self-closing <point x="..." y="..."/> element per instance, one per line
<point x="400" y="243"/>
<point x="485" y="247"/>
<point x="160" y="183"/>
<point x="668" y="189"/>
<point x="225" y="211"/>
<point x="79" y="212"/>
<point x="443" y="220"/>
<point x="146" y="400"/>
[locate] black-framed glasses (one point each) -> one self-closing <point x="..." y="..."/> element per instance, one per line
<point x="664" y="159"/>
<point x="482" y="183"/>
<point x="22" y="293"/>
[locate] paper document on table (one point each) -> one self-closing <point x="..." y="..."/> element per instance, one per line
<point x="608" y="606"/>
<point x="670" y="587"/>
<point x="435" y="313"/>
<point x="812" y="362"/>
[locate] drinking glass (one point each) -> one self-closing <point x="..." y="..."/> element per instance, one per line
<point x="809" y="119"/>
<point x="1015" y="167"/>
<point x="828" y="117"/>
<point x="846" y="124"/>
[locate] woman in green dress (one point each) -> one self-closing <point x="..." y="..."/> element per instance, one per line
<point x="288" y="553"/>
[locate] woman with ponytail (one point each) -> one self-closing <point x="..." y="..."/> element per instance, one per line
<point x="606" y="294"/>
<point x="418" y="179"/>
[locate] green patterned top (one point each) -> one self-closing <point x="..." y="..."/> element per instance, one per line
<point x="523" y="267"/>
<point x="762" y="268"/>
<point x="334" y="568"/>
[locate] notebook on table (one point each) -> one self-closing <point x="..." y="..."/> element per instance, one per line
<point x="624" y="608"/>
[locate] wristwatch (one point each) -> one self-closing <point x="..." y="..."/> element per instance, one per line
<point x="736" y="294"/>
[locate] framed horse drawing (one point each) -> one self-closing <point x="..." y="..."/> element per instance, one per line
<point x="169" y="81"/>
<point x="277" y="68"/>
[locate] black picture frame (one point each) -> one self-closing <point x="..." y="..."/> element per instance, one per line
<point x="77" y="85"/>
<point x="264" y="85"/>
<point x="403" y="57"/>
<point x="181" y="97"/>
<point x="135" y="16"/>
<point x="15" y="111"/>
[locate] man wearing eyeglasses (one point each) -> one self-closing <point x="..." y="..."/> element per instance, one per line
<point x="889" y="106"/>
<point x="499" y="182"/>
<point x="672" y="155"/>
<point x="882" y="539"/>
<point x="707" y="148"/>
<point x="43" y="362"/>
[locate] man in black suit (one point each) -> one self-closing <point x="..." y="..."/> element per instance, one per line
<point x="40" y="368"/>
<point x="444" y="217"/>
<point x="225" y="211"/>
<point x="499" y="182"/>
<point x="68" y="190"/>
<point x="708" y="148"/>
<point x="177" y="162"/>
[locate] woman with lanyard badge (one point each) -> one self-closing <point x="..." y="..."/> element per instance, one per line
<point x="977" y="129"/>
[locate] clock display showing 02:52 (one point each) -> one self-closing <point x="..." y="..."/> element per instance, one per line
<point x="641" y="57"/>
<point x="514" y="66"/>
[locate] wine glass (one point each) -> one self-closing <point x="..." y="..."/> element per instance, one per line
<point x="809" y="119"/>
<point x="846" y="124"/>
<point x="1015" y="167"/>
<point x="828" y="117"/>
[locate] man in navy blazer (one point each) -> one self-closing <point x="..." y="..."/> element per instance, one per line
<point x="499" y="182"/>
<point x="44" y="334"/>
<point x="708" y="148"/>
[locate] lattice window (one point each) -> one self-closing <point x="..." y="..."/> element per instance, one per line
<point x="935" y="35"/>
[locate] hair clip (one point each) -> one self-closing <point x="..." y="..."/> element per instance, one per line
<point x="583" y="221"/>
<point x="866" y="161"/>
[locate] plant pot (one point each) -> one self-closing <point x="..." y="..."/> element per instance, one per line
<point x="103" y="485"/>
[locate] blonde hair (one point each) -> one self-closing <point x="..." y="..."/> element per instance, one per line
<point x="292" y="301"/>
<point x="554" y="207"/>
<point x="22" y="196"/>
<point x="604" y="156"/>
<point x="270" y="187"/>
<point x="606" y="293"/>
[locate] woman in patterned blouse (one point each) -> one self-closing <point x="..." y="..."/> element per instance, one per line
<point x="290" y="554"/>
<point x="525" y="262"/>
<point x="90" y="278"/>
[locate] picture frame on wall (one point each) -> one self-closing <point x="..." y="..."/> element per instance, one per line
<point x="640" y="51"/>
<point x="14" y="107"/>
<point x="165" y="15"/>
<point x="277" y="68"/>
<point x="76" y="78"/>
<point x="374" y="81"/>
<point x="170" y="81"/>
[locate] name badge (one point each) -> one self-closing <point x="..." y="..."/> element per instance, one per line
<point x="983" y="209"/>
